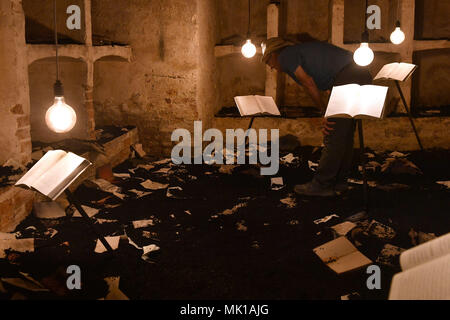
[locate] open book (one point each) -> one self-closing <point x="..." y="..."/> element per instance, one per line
<point x="340" y="255"/>
<point x="355" y="101"/>
<point x="256" y="105"/>
<point x="52" y="174"/>
<point x="396" y="71"/>
<point x="426" y="272"/>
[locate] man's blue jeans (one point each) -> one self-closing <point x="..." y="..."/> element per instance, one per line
<point x="335" y="163"/>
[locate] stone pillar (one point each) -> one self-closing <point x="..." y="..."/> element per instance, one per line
<point x="14" y="92"/>
<point x="15" y="140"/>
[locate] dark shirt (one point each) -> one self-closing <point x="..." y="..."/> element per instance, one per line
<point x="320" y="60"/>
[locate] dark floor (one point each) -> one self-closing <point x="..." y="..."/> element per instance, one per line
<point x="203" y="254"/>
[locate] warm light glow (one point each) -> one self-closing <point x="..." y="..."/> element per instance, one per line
<point x="248" y="49"/>
<point x="397" y="36"/>
<point x="363" y="56"/>
<point x="60" y="117"/>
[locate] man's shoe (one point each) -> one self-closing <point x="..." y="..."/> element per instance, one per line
<point x="313" y="189"/>
<point x="341" y="186"/>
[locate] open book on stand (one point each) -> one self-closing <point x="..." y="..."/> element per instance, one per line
<point x="256" y="105"/>
<point x="53" y="173"/>
<point x="426" y="272"/>
<point x="355" y="101"/>
<point x="396" y="71"/>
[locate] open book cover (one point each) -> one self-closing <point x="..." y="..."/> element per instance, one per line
<point x="53" y="173"/>
<point x="425" y="272"/>
<point x="340" y="255"/>
<point x="256" y="105"/>
<point x="355" y="101"/>
<point x="396" y="71"/>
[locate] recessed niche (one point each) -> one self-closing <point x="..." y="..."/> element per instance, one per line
<point x="431" y="88"/>
<point x="431" y="20"/>
<point x="42" y="76"/>
<point x="39" y="22"/>
<point x="310" y="16"/>
<point x="354" y="20"/>
<point x="239" y="76"/>
<point x="233" y="20"/>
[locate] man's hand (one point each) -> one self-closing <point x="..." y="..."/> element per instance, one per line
<point x="327" y="126"/>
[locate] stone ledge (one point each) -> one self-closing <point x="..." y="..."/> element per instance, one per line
<point x="387" y="134"/>
<point x="15" y="205"/>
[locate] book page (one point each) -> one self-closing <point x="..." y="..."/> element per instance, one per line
<point x="352" y="261"/>
<point x="68" y="181"/>
<point x="335" y="249"/>
<point x="42" y="166"/>
<point x="268" y="105"/>
<point x="429" y="281"/>
<point x="247" y="105"/>
<point x="386" y="71"/>
<point x="425" y="252"/>
<point x="53" y="177"/>
<point x="342" y="99"/>
<point x="371" y="102"/>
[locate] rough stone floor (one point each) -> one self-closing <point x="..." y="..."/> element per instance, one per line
<point x="229" y="236"/>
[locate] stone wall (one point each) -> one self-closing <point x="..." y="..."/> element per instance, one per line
<point x="14" y="99"/>
<point x="160" y="90"/>
<point x="15" y="140"/>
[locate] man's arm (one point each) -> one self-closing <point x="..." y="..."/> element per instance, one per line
<point x="310" y="87"/>
<point x="313" y="91"/>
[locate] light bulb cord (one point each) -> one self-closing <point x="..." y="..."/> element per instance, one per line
<point x="365" y="35"/>
<point x="248" y="21"/>
<point x="56" y="40"/>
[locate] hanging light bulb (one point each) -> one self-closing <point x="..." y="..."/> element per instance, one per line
<point x="397" y="36"/>
<point x="363" y="56"/>
<point x="248" y="49"/>
<point x="60" y="117"/>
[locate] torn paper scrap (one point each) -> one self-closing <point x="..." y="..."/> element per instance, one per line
<point x="89" y="211"/>
<point x="140" y="194"/>
<point x="114" y="293"/>
<point x="143" y="223"/>
<point x="289" y="159"/>
<point x="175" y="193"/>
<point x="163" y="170"/>
<point x="151" y="185"/>
<point x="163" y="161"/>
<point x="326" y="219"/>
<point x="139" y="150"/>
<point x="444" y="183"/>
<point x="312" y="165"/>
<point x="276" y="183"/>
<point x="397" y="154"/>
<point x="148" y="251"/>
<point x="122" y="175"/>
<point x="233" y="210"/>
<point x="343" y="228"/>
<point x="290" y="202"/>
<point x="112" y="241"/>
<point x="240" y="226"/>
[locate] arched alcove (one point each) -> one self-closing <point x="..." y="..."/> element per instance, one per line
<point x="42" y="75"/>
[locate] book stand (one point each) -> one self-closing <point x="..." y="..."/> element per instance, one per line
<point x="73" y="200"/>
<point x="249" y="127"/>
<point x="363" y="165"/>
<point x="409" y="113"/>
